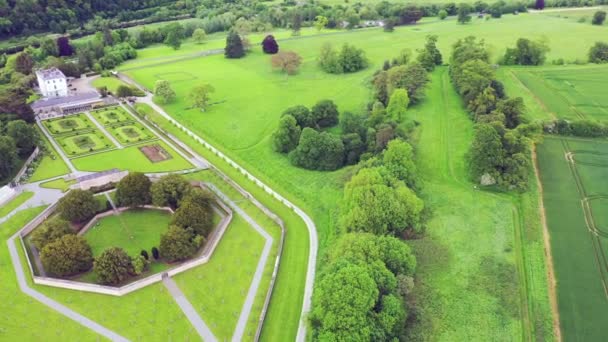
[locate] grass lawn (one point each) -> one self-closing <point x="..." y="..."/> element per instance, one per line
<point x="42" y="323"/>
<point x="60" y="184"/>
<point x="112" y="83"/>
<point x="579" y="255"/>
<point x="111" y="115"/>
<point x="72" y="123"/>
<point x="129" y="133"/>
<point x="6" y="208"/>
<point x="133" y="231"/>
<point x="51" y="164"/>
<point x="131" y="159"/>
<point x="75" y="145"/>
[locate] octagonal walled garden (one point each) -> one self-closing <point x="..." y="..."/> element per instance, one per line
<point x="132" y="230"/>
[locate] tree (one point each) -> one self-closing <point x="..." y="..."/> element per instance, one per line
<point x="320" y="22"/>
<point x="50" y="231"/>
<point x="352" y="59"/>
<point x="486" y="153"/>
<point x="144" y="253"/>
<point x="318" y="151"/>
<point x="412" y="77"/>
<point x="173" y="39"/>
<point x="195" y="214"/>
<point x="442" y="14"/>
<point x="64" y="46"/>
<point x="199" y="35"/>
<point x="302" y="115"/>
<point x="163" y="91"/>
<point x="24" y="63"/>
<point x="296" y="22"/>
<point x="8" y="156"/>
<point x="270" y="45"/>
<point x="325" y="113"/>
<point x="170" y="190"/>
<point x="526" y="52"/>
<point x="234" y="46"/>
<point x="200" y="96"/>
<point x="67" y="256"/>
<point x="113" y="266"/>
<point x="139" y="263"/>
<point x="372" y="203"/>
<point x="353" y="148"/>
<point x="155" y="253"/>
<point x="134" y="190"/>
<point x="286" y="61"/>
<point x="287" y="135"/>
<point x="25" y="136"/>
<point x="77" y="206"/>
<point x="49" y="47"/>
<point x="539" y="5"/>
<point x="513" y="110"/>
<point x="398" y="162"/>
<point x="328" y="60"/>
<point x="389" y="25"/>
<point x="598" y="18"/>
<point x="409" y="14"/>
<point x="599" y="53"/>
<point x="464" y="13"/>
<point x="124" y="91"/>
<point x="430" y="56"/>
<point x="179" y="244"/>
<point x="397" y="105"/>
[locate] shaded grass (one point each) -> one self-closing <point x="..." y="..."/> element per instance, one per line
<point x="131" y="159"/>
<point x="6" y="208"/>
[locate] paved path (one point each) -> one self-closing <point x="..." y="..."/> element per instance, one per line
<point x="259" y="271"/>
<point x="57" y="148"/>
<point x="62" y="309"/>
<point x="310" y="225"/>
<point x="189" y="311"/>
<point x="103" y="129"/>
<point x="42" y="196"/>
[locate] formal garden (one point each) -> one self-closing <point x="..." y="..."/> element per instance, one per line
<point x="152" y="227"/>
<point x="111" y="115"/>
<point x="69" y="124"/>
<point x="83" y="143"/>
<point x="131" y="132"/>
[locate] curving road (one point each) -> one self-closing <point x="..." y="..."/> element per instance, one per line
<point x="310" y="225"/>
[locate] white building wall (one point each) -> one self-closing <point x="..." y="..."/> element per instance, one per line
<point x="57" y="87"/>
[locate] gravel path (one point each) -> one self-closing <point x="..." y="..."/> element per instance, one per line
<point x="196" y="320"/>
<point x="103" y="130"/>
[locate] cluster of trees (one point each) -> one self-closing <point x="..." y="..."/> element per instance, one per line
<point x="598" y="18"/>
<point x="349" y="59"/>
<point x="526" y="52"/>
<point x="500" y="150"/>
<point x="17" y="141"/>
<point x="361" y="292"/>
<point x="579" y="128"/>
<point x="599" y="53"/>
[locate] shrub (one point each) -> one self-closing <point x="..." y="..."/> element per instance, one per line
<point x="269" y="45"/>
<point x="144" y="253"/>
<point x="442" y="14"/>
<point x="325" y="113"/>
<point x="318" y="151"/>
<point x="196" y="212"/>
<point x="113" y="266"/>
<point x="52" y="230"/>
<point x="287" y="135"/>
<point x="599" y="53"/>
<point x="598" y="18"/>
<point x="155" y="253"/>
<point x="67" y="256"/>
<point x="140" y="264"/>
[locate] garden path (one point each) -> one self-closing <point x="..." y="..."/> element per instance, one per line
<point x="103" y="129"/>
<point x="194" y="318"/>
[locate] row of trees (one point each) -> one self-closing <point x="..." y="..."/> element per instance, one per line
<point x="500" y="150"/>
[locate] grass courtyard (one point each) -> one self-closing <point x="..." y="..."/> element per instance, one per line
<point x="579" y="252"/>
<point x="129" y="133"/>
<point x="133" y="230"/>
<point x="72" y="123"/>
<point x="112" y="83"/>
<point x="111" y="115"/>
<point x="84" y="143"/>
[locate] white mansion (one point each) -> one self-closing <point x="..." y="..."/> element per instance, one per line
<point x="52" y="83"/>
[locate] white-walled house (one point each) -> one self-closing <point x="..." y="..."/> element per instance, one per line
<point x="52" y="83"/>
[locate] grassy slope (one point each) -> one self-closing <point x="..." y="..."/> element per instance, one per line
<point x="581" y="297"/>
<point x="25" y="318"/>
<point x="132" y="230"/>
<point x="470" y="257"/>
<point x="48" y="166"/>
<point x="131" y="159"/>
<point x="6" y="208"/>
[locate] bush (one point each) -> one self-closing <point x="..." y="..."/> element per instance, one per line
<point x="170" y="190"/>
<point x="52" y="230"/>
<point x="350" y="59"/>
<point x="67" y="256"/>
<point x="196" y="212"/>
<point x="287" y="135"/>
<point x="598" y="18"/>
<point x="155" y="253"/>
<point x="113" y="266"/>
<point x="269" y="45"/>
<point x="302" y="115"/>
<point x="526" y="52"/>
<point x="78" y="206"/>
<point x="325" y="113"/>
<point x="599" y="53"/>
<point x="442" y="14"/>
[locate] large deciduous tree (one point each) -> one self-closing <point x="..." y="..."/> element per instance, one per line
<point x="196" y="212"/>
<point x="270" y="45"/>
<point x="24" y="135"/>
<point x="464" y="13"/>
<point x="302" y="115"/>
<point x="199" y="35"/>
<point x="8" y="156"/>
<point x="287" y="135"/>
<point x="170" y="190"/>
<point x="179" y="244"/>
<point x="325" y="113"/>
<point x="397" y="105"/>
<point x="286" y="61"/>
<point x="78" y="206"/>
<point x="163" y="91"/>
<point x="200" y="96"/>
<point x="67" y="256"/>
<point x="113" y="266"/>
<point x="50" y="231"/>
<point x="134" y="190"/>
<point x="318" y="151"/>
<point x="234" y="46"/>
<point x="24" y="63"/>
<point x="64" y="47"/>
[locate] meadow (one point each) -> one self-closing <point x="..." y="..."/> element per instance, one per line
<point x="575" y="207"/>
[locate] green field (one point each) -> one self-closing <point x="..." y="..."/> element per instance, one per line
<point x="72" y="123"/>
<point x="60" y="184"/>
<point x="565" y="92"/>
<point x="111" y="115"/>
<point x="579" y="241"/>
<point x="84" y="143"/>
<point x="6" y="208"/>
<point x="132" y="159"/>
<point x="133" y="231"/>
<point x="112" y="83"/>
